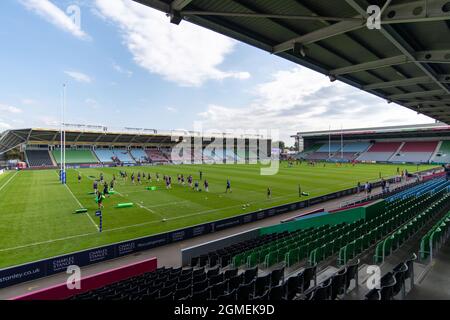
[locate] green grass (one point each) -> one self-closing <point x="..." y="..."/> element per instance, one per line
<point x="37" y="217"/>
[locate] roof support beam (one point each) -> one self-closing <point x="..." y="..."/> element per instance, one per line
<point x="371" y="65"/>
<point x="407" y="96"/>
<point x="266" y="15"/>
<point x="417" y="11"/>
<point x="390" y="34"/>
<point x="438" y="56"/>
<point x="427" y="102"/>
<point x="178" y="5"/>
<point x="320" y="34"/>
<point x="398" y="83"/>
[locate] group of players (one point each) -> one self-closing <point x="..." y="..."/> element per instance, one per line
<point x="139" y="178"/>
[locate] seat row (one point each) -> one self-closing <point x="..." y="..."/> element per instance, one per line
<point x="437" y="235"/>
<point x="416" y="221"/>
<point x="394" y="282"/>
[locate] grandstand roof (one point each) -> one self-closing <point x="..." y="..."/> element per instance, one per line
<point x="406" y="61"/>
<point x="93" y="135"/>
<point x="431" y="130"/>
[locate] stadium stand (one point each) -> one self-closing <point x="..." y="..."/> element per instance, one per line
<point x="105" y="155"/>
<point x="416" y="152"/>
<point x="230" y="155"/>
<point x="139" y="155"/>
<point x="435" y="238"/>
<point x="333" y="147"/>
<point x="156" y="155"/>
<point x="39" y="158"/>
<point x="318" y="156"/>
<point x="309" y="150"/>
<point x="443" y="154"/>
<point x="394" y="282"/>
<point x="123" y="156"/>
<point x="380" y="151"/>
<point x="356" y="147"/>
<point x="75" y="156"/>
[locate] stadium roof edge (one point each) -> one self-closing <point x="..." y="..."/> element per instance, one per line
<point x="372" y="130"/>
<point x="398" y="62"/>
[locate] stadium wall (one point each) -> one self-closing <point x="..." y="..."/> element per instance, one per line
<point x="195" y="251"/>
<point x="61" y="291"/>
<point x="348" y="216"/>
<point x="47" y="267"/>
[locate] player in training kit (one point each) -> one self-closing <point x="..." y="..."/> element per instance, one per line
<point x="167" y="183"/>
<point x="157" y="176"/>
<point x="105" y="188"/>
<point x="95" y="186"/>
<point x="182" y="180"/>
<point x="269" y="193"/>
<point x="132" y="178"/>
<point x="139" y="177"/>
<point x="101" y="177"/>
<point x="179" y="178"/>
<point x="201" y="175"/>
<point x="206" y="184"/>
<point x="79" y="178"/>
<point x="111" y="185"/>
<point x="196" y="185"/>
<point x="99" y="200"/>
<point x="228" y="186"/>
<point x="149" y="177"/>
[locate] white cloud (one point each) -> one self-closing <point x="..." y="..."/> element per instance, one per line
<point x="4" y="125"/>
<point x="186" y="54"/>
<point x="56" y="16"/>
<point x="122" y="70"/>
<point x="171" y="109"/>
<point x="79" y="76"/>
<point x="7" y="109"/>
<point x="92" y="103"/>
<point x="49" y="121"/>
<point x="28" y="101"/>
<point x="303" y="100"/>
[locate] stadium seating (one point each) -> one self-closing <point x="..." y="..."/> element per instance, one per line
<point x="139" y="155"/>
<point x="318" y="156"/>
<point x="394" y="282"/>
<point x="437" y="235"/>
<point x="333" y="147"/>
<point x="156" y="155"/>
<point x="443" y="155"/>
<point x="380" y="151"/>
<point x="356" y="147"/>
<point x="230" y="155"/>
<point x="406" y="223"/>
<point x="105" y="155"/>
<point x="75" y="156"/>
<point x="350" y="152"/>
<point x="123" y="155"/>
<point x="415" y="152"/>
<point x="39" y="158"/>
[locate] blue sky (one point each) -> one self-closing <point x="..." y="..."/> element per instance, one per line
<point x="125" y="65"/>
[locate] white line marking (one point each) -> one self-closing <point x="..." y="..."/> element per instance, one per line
<point x="1" y="188"/>
<point x="81" y="206"/>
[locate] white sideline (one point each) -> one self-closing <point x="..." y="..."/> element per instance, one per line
<point x="80" y="205"/>
<point x="1" y="188"/>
